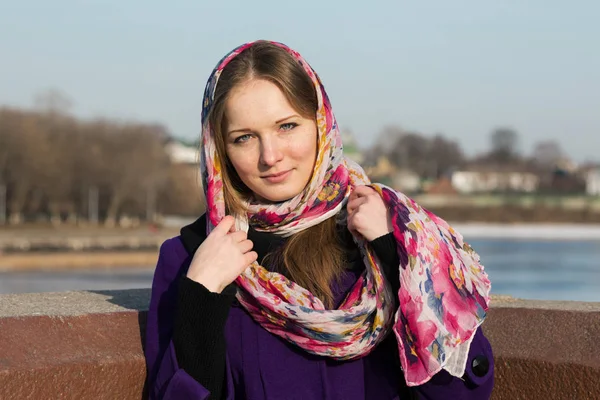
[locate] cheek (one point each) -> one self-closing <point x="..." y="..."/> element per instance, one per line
<point x="242" y="162"/>
<point x="305" y="150"/>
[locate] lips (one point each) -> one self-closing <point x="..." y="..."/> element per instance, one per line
<point x="277" y="177"/>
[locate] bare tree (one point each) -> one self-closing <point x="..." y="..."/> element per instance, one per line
<point x="56" y="166"/>
<point x="23" y="160"/>
<point x="389" y="134"/>
<point x="504" y="143"/>
<point x="444" y="155"/>
<point x="183" y="192"/>
<point x="60" y="144"/>
<point x="138" y="167"/>
<point x="410" y="152"/>
<point x="52" y="101"/>
<point x="429" y="157"/>
<point x="547" y="153"/>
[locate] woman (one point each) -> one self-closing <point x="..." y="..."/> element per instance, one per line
<point x="303" y="280"/>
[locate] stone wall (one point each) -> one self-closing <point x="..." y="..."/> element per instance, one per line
<point x="88" y="345"/>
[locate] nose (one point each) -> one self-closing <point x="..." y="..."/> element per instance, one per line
<point x="271" y="152"/>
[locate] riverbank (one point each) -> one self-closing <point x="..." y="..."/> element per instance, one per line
<point x="76" y="261"/>
<point x="49" y="240"/>
<point x="81" y="259"/>
<point x="520" y="231"/>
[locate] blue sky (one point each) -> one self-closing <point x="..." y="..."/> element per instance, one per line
<point x="456" y="67"/>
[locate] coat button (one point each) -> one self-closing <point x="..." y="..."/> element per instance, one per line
<point x="480" y="365"/>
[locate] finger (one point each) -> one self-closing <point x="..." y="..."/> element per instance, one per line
<point x="361" y="215"/>
<point x="250" y="257"/>
<point x="363" y="190"/>
<point x="355" y="204"/>
<point x="245" y="246"/>
<point x="350" y="224"/>
<point x="224" y="226"/>
<point x="358" y="201"/>
<point x="356" y="193"/>
<point x="238" y="236"/>
<point x="352" y="228"/>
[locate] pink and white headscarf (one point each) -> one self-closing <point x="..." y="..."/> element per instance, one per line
<point x="444" y="291"/>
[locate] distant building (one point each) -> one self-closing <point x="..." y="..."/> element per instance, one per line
<point x="566" y="164"/>
<point x="181" y="152"/>
<point x="406" y="180"/>
<point x="185" y="162"/>
<point x="592" y="182"/>
<point x="484" y="178"/>
<point x="383" y="167"/>
<point x="400" y="179"/>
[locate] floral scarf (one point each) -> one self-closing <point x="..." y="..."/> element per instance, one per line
<point x="444" y="291"/>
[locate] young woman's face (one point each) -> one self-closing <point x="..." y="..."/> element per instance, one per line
<point x="272" y="148"/>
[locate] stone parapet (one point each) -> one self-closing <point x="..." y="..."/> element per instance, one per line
<point x="89" y="345"/>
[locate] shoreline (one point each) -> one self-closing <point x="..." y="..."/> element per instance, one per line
<point x="541" y="231"/>
<point x="73" y="261"/>
<point x="81" y="259"/>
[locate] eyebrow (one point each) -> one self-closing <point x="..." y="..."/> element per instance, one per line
<point x="276" y="122"/>
<point x="286" y="118"/>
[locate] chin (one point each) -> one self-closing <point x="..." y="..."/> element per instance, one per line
<point x="278" y="195"/>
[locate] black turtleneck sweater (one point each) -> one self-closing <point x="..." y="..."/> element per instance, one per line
<point x="201" y="315"/>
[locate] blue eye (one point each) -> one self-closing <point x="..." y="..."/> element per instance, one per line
<point x="288" y="126"/>
<point x="242" y="139"/>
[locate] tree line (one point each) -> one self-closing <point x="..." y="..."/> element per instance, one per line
<point x="55" y="167"/>
<point x="433" y="157"/>
<point x="59" y="168"/>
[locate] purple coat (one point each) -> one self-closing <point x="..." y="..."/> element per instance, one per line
<point x="261" y="365"/>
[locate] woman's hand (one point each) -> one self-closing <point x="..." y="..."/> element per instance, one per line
<point x="222" y="257"/>
<point x="368" y="214"/>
